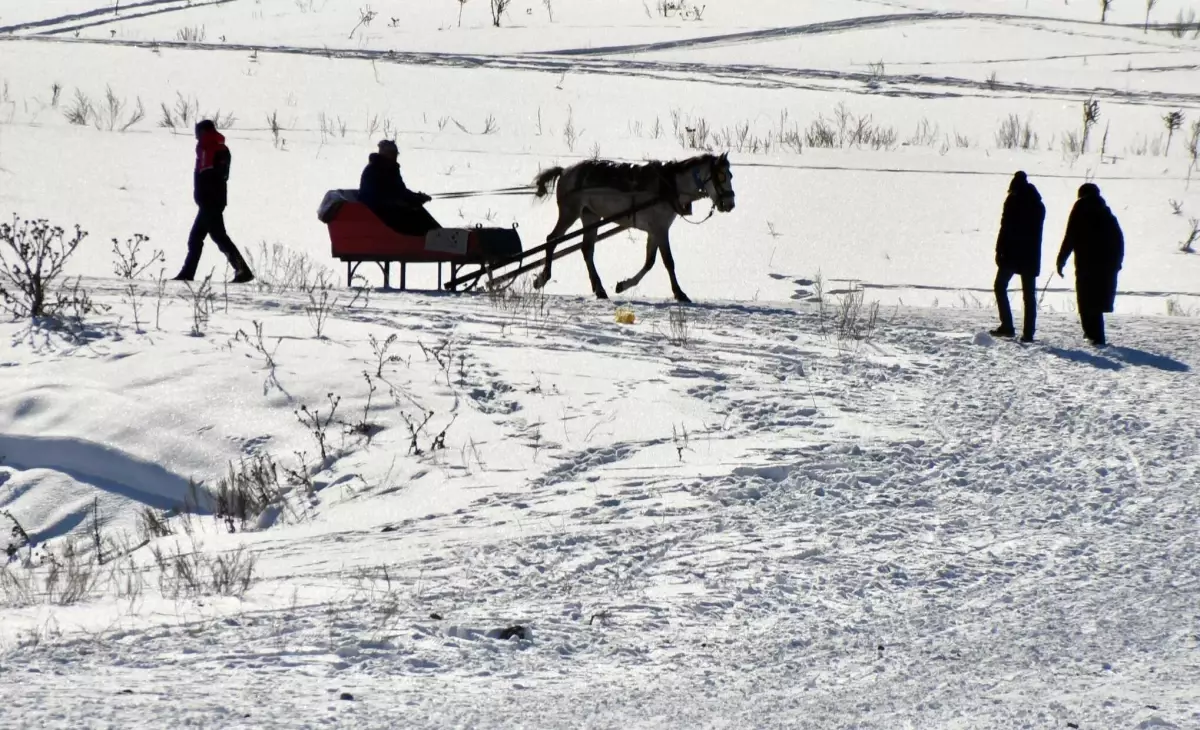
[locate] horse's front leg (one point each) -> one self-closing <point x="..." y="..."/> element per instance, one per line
<point x="589" y="221"/>
<point x="669" y="262"/>
<point x="567" y="215"/>
<point x="651" y="253"/>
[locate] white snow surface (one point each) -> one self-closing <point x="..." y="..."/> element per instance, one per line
<point x="722" y="515"/>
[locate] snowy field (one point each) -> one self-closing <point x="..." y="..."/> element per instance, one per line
<point x="819" y="497"/>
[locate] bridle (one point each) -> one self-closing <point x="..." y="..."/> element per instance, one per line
<point x="719" y="176"/>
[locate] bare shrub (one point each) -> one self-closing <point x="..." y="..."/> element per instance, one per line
<point x="853" y="318"/>
<point x="1189" y="244"/>
<point x="570" y="134"/>
<point x="250" y="488"/>
<point x="1176" y="308"/>
<point x="365" y="16"/>
<point x="81" y="110"/>
<point x="192" y="574"/>
<point x="1091" y="115"/>
<point x="498" y="8"/>
<point x="320" y="306"/>
<point x="63" y="579"/>
<point x="382" y="356"/>
<point x="278" y="268"/>
<point x="318" y="426"/>
<point x="36" y="255"/>
<point x="679" y="327"/>
<point x="1104" y="7"/>
<point x="1184" y="23"/>
<point x="191" y="34"/>
<point x="153" y="524"/>
<point x="203" y="301"/>
<point x="276" y="130"/>
<point x="1015" y="134"/>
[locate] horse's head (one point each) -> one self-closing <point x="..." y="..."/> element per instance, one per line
<point x="720" y="183"/>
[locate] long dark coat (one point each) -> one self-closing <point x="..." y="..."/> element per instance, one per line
<point x="1019" y="244"/>
<point x="1095" y="237"/>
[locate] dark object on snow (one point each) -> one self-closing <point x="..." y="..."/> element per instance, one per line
<point x="1095" y="237"/>
<point x="1019" y="253"/>
<point x="382" y="189"/>
<point x="213" y="160"/>
<point x="389" y="528"/>
<point x="346" y="696"/>
<point x="435" y="616"/>
<point x="513" y="632"/>
<point x="125" y="692"/>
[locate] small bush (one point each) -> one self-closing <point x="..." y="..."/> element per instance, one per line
<point x="191" y="34"/>
<point x="248" y="490"/>
<point x="1189" y="244"/>
<point x="193" y="574"/>
<point x="679" y="332"/>
<point x="1015" y="134"/>
<point x="81" y="111"/>
<point x="278" y="268"/>
<point x="62" y="580"/>
<point x="36" y="255"/>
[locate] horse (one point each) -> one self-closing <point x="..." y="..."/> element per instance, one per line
<point x="659" y="191"/>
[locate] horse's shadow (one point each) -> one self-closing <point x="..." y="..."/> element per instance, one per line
<point x="1117" y="358"/>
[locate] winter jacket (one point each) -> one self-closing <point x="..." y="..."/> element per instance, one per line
<point x="1095" y="237"/>
<point x="212" y="171"/>
<point x="382" y="187"/>
<point x="1019" y="244"/>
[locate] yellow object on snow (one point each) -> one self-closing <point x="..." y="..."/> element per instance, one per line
<point x="625" y="315"/>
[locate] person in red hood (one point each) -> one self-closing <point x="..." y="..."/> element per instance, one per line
<point x="209" y="192"/>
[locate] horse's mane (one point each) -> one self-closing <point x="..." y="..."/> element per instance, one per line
<point x="631" y="174"/>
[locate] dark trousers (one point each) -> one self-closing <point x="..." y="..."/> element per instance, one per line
<point x="1029" y="297"/>
<point x="410" y="220"/>
<point x="1093" y="300"/>
<point x="210" y="222"/>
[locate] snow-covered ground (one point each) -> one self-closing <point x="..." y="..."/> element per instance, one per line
<point x="730" y="514"/>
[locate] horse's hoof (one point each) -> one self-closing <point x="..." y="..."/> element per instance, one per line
<point x="682" y="298"/>
<point x="539" y="282"/>
<point x="601" y="294"/>
<point x="622" y="286"/>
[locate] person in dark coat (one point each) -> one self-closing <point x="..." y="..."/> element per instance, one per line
<point x="382" y="189"/>
<point x="1094" y="236"/>
<point x="209" y="191"/>
<point x="1019" y="253"/>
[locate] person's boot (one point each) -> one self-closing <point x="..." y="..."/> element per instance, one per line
<point x="243" y="276"/>
<point x="1026" y="338"/>
<point x="182" y="277"/>
<point x="1003" y="331"/>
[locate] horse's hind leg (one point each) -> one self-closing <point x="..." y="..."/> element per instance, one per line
<point x="589" y="249"/>
<point x="669" y="262"/>
<point x="568" y="213"/>
<point x="651" y="253"/>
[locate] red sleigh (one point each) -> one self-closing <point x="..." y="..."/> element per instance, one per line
<point x="357" y="235"/>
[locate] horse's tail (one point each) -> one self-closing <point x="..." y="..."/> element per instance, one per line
<point x="546" y="180"/>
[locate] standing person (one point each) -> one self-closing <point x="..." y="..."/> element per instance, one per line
<point x="209" y="191"/>
<point x="382" y="189"/>
<point x="1094" y="236"/>
<point x="1019" y="253"/>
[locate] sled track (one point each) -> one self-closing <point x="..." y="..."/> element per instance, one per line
<point x="746" y="75"/>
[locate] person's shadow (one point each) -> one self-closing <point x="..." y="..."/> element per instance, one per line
<point x="1116" y="358"/>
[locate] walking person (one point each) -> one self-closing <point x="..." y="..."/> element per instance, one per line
<point x="382" y="189"/>
<point x="209" y="183"/>
<point x="1094" y="236"/>
<point x="1019" y="253"/>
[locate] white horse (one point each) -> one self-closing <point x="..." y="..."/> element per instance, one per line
<point x="594" y="190"/>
